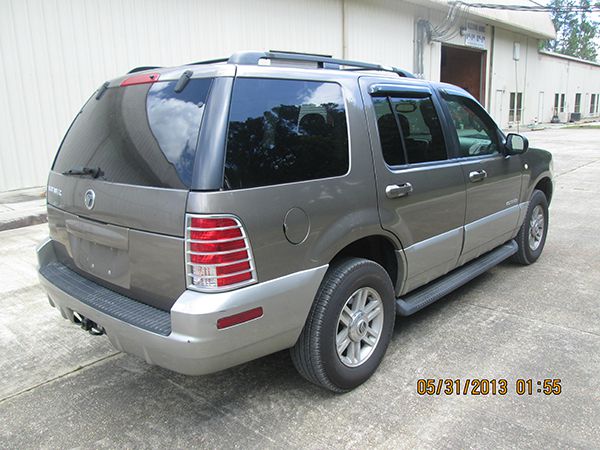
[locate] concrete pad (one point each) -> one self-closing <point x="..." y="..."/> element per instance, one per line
<point x="37" y="344"/>
<point x="264" y="404"/>
<point x="540" y="321"/>
<point x="22" y="208"/>
<point x="22" y="214"/>
<point x="23" y="195"/>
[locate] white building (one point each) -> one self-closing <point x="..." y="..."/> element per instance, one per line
<point x="55" y="53"/>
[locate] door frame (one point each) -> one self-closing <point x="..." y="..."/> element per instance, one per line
<point x="540" y="114"/>
<point x="502" y="217"/>
<point x="422" y="255"/>
<point x="483" y="53"/>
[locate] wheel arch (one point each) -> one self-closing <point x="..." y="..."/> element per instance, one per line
<point x="380" y="249"/>
<point x="545" y="185"/>
<point x="357" y="234"/>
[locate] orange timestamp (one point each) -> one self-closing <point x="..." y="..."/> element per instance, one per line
<point x="485" y="386"/>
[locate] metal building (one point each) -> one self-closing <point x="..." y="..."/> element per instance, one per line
<point x="55" y="53"/>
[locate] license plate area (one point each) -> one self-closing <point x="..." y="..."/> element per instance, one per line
<point x="100" y="250"/>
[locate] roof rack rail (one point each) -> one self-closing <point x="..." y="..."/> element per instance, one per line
<point x="323" y="61"/>
<point x="142" y="68"/>
<point x="209" y="61"/>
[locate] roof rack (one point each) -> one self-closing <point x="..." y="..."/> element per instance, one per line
<point x="142" y="68"/>
<point x="209" y="61"/>
<point x="323" y="61"/>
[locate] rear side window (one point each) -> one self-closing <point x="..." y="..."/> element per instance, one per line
<point x="409" y="130"/>
<point x="420" y="129"/>
<point x="283" y="131"/>
<point x="389" y="134"/>
<point x="142" y="134"/>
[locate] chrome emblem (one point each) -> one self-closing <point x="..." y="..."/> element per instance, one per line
<point x="55" y="190"/>
<point x="89" y="198"/>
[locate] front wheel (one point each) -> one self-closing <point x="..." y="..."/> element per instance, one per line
<point x="532" y="235"/>
<point x="349" y="326"/>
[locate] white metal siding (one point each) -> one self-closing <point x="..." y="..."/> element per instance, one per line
<point x="55" y="53"/>
<point x="537" y="72"/>
<point x="380" y="31"/>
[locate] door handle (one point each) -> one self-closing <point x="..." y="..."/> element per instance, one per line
<point x="477" y="175"/>
<point x="398" y="190"/>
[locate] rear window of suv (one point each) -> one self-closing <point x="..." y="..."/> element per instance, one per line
<point x="141" y="134"/>
<point x="284" y="131"/>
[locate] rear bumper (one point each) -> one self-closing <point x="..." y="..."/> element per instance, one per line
<point x="194" y="345"/>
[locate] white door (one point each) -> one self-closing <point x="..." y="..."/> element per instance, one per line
<point x="498" y="110"/>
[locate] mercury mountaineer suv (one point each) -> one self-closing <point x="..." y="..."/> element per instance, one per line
<point x="206" y="215"/>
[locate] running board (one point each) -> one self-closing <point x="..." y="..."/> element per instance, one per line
<point x="432" y="292"/>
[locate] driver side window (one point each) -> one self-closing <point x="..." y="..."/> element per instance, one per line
<point x="476" y="134"/>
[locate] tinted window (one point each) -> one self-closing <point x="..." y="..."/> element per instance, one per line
<point x="421" y="129"/>
<point x="476" y="131"/>
<point x="389" y="134"/>
<point x="409" y="130"/>
<point x="282" y="131"/>
<point x="142" y="134"/>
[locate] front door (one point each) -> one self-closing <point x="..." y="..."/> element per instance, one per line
<point x="493" y="180"/>
<point x="421" y="193"/>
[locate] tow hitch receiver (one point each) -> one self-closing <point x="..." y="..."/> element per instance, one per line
<point x="88" y="325"/>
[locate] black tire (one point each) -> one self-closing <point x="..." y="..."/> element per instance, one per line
<point x="526" y="255"/>
<point x="315" y="354"/>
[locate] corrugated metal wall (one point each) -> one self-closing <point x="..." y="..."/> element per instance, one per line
<point x="380" y="31"/>
<point x="55" y="53"/>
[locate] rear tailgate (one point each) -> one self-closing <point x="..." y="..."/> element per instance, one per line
<point x="122" y="225"/>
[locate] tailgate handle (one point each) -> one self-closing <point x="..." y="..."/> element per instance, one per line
<point x="100" y="235"/>
<point x="398" y="190"/>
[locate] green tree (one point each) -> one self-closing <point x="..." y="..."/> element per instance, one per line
<point x="576" y="32"/>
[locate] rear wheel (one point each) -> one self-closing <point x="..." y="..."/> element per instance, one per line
<point x="349" y="326"/>
<point x="532" y="235"/>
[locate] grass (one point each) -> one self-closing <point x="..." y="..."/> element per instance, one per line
<point x="584" y="126"/>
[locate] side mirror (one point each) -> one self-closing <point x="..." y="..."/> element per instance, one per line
<point x="516" y="144"/>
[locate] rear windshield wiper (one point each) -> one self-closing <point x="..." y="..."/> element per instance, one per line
<point x="95" y="172"/>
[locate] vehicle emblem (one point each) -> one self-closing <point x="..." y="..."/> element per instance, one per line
<point x="55" y="190"/>
<point x="89" y="198"/>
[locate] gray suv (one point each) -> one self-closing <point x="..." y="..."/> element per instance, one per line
<point x="207" y="215"/>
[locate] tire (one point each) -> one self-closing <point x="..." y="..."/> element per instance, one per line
<point x="347" y="285"/>
<point x="530" y="239"/>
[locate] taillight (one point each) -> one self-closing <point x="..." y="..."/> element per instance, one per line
<point x="218" y="255"/>
<point x="143" y="78"/>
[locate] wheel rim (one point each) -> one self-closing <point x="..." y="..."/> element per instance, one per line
<point x="536" y="228"/>
<point x="359" y="327"/>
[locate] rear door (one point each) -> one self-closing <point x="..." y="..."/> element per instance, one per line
<point x="421" y="193"/>
<point x="493" y="180"/>
<point x="118" y="188"/>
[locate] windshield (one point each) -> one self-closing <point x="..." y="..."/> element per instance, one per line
<point x="142" y="134"/>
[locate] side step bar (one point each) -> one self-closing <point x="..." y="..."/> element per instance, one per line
<point x="432" y="292"/>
